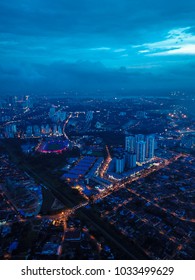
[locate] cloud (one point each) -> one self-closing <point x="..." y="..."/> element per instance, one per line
<point x="119" y="50"/>
<point x="182" y="50"/>
<point x="88" y="77"/>
<point x="100" y="49"/>
<point x="144" y="51"/>
<point x="178" y="42"/>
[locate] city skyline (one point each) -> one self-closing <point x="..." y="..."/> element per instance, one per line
<point x="96" y="178"/>
<point x="97" y="132"/>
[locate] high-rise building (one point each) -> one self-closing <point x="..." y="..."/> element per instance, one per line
<point x="141" y="115"/>
<point x="120" y="164"/>
<point x="55" y="118"/>
<point x="141" y="151"/>
<point x="42" y="129"/>
<point x="139" y="137"/>
<point x="130" y="144"/>
<point x="27" y="102"/>
<point x="55" y="129"/>
<point x="52" y="112"/>
<point x="29" y="131"/>
<point x="59" y="130"/>
<point x="89" y="116"/>
<point x="141" y="145"/>
<point x="62" y="116"/>
<point x="37" y="131"/>
<point x="10" y="130"/>
<point x="150" y="145"/>
<point x="47" y="129"/>
<point x="130" y="160"/>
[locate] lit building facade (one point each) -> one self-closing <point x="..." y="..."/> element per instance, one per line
<point x="120" y="164"/>
<point x="141" y="151"/>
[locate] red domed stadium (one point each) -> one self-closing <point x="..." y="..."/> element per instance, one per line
<point x="55" y="146"/>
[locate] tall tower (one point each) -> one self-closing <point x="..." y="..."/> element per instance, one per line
<point x="120" y="164"/>
<point x="10" y="130"/>
<point x="141" y="151"/>
<point x="62" y="116"/>
<point x="29" y="131"/>
<point x="130" y="160"/>
<point x="150" y="143"/>
<point x="139" y="137"/>
<point x="89" y="116"/>
<point x="130" y="144"/>
<point x="52" y="111"/>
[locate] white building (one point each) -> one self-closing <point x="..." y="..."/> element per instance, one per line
<point x="150" y="145"/>
<point x="141" y="151"/>
<point x="120" y="164"/>
<point x="130" y="144"/>
<point x="139" y="137"/>
<point x="131" y="160"/>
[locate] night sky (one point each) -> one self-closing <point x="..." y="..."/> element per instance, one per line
<point x="49" y="46"/>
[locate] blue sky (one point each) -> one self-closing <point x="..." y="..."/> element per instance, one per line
<point x="91" y="45"/>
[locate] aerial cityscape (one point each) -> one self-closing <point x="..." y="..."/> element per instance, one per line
<point x="97" y="130"/>
<point x="97" y="178"/>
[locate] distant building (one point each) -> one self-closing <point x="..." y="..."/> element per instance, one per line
<point x="29" y="131"/>
<point x="10" y="130"/>
<point x="139" y="137"/>
<point x="47" y="129"/>
<point x="55" y="118"/>
<point x="188" y="141"/>
<point x="141" y="115"/>
<point x="89" y="116"/>
<point x="59" y="130"/>
<point x="122" y="114"/>
<point x="52" y="112"/>
<point x="62" y="116"/>
<point x="120" y="164"/>
<point x="42" y="129"/>
<point x="98" y="125"/>
<point x="55" y="129"/>
<point x="37" y="131"/>
<point x="27" y="102"/>
<point x="141" y="151"/>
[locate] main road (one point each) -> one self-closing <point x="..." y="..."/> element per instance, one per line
<point x="118" y="241"/>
